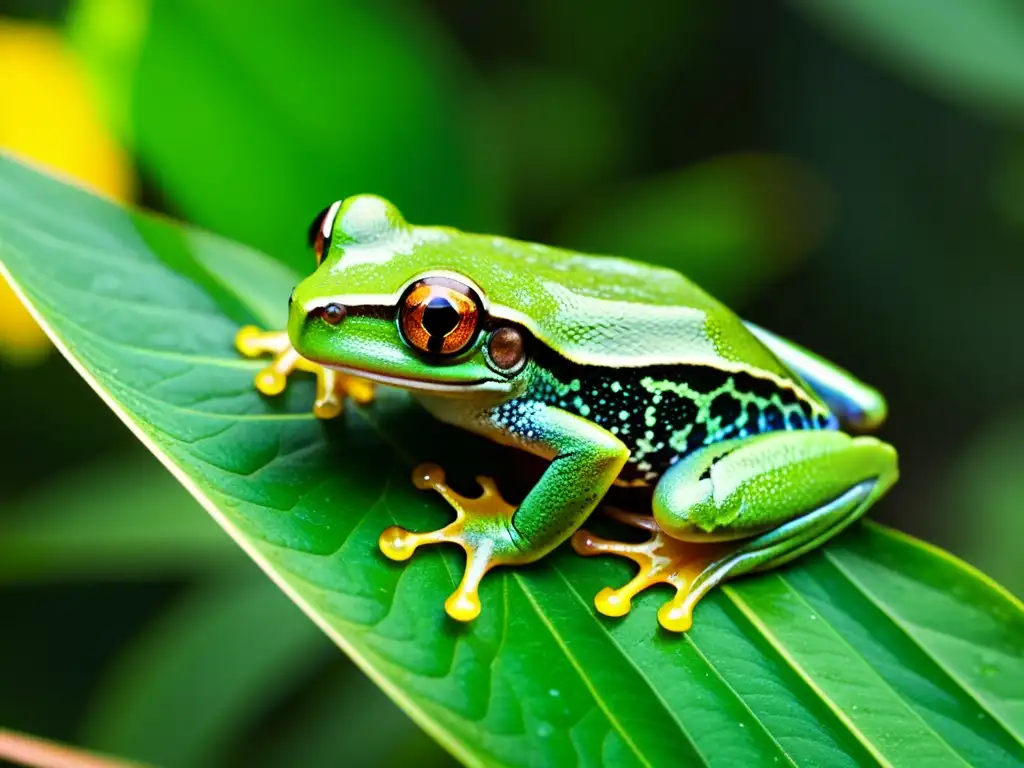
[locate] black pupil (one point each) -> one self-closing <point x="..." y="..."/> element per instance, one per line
<point x="439" y="319"/>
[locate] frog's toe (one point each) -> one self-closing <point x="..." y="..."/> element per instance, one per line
<point x="359" y="390"/>
<point x="482" y="527"/>
<point x="252" y="342"/>
<point x="661" y="560"/>
<point x="332" y="387"/>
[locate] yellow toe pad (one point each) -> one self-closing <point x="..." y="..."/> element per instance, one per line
<point x="332" y="387"/>
<point x="481" y="527"/>
<point x="661" y="559"/>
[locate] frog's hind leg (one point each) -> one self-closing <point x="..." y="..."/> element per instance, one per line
<point x="332" y="387"/>
<point x="747" y="505"/>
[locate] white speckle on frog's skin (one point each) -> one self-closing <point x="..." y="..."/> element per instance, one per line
<point x="554" y="692"/>
<point x="544" y="730"/>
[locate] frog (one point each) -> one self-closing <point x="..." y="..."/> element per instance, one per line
<point x="743" y="449"/>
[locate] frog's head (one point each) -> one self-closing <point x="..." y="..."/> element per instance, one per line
<point x="385" y="304"/>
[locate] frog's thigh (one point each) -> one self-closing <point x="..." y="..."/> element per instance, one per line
<point x="788" y="490"/>
<point x="782" y="494"/>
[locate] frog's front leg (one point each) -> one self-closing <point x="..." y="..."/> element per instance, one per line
<point x="332" y="387"/>
<point x="746" y="505"/>
<point x="585" y="460"/>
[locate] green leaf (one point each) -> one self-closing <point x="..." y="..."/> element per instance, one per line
<point x="969" y="52"/>
<point x="250" y="127"/>
<point x="122" y="518"/>
<point x="877" y="648"/>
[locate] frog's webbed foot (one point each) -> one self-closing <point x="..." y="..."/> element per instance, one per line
<point x="755" y="519"/>
<point x="482" y="527"/>
<point x="332" y="387"/>
<point x="662" y="560"/>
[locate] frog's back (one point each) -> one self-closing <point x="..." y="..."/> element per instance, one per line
<point x="593" y="310"/>
<point x="613" y="312"/>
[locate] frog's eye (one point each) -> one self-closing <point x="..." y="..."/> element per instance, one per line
<point x="321" y="229"/>
<point x="439" y="315"/>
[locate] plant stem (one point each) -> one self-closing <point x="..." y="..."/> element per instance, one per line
<point x="34" y="752"/>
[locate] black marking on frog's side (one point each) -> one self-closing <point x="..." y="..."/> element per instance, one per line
<point x="663" y="413"/>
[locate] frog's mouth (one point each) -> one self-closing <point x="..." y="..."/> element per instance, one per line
<point x="424" y="385"/>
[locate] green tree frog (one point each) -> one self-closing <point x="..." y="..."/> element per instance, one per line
<point x="615" y="371"/>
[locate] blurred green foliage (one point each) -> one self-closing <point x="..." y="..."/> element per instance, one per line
<point x="302" y="103"/>
<point x="987" y="480"/>
<point x="971" y="53"/>
<point x="882" y="226"/>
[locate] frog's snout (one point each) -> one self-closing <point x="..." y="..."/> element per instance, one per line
<point x="305" y="325"/>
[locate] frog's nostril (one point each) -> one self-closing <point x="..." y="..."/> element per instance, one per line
<point x="332" y="314"/>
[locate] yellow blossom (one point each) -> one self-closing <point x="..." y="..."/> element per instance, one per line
<point x="48" y="114"/>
